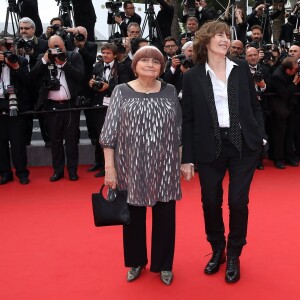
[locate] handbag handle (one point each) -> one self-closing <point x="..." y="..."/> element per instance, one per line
<point x="111" y="194"/>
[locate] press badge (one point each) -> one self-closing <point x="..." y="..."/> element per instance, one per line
<point x="106" y="101"/>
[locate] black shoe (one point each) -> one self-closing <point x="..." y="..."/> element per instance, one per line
<point x="292" y="162"/>
<point x="260" y="165"/>
<point x="101" y="173"/>
<point x="279" y="164"/>
<point x="94" y="168"/>
<point x="232" y="269"/>
<point x="166" y="277"/>
<point x="214" y="263"/>
<point x="134" y="273"/>
<point x="6" y="179"/>
<point x="56" y="176"/>
<point x="73" y="176"/>
<point x="24" y="180"/>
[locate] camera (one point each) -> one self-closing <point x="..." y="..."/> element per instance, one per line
<point x="98" y="83"/>
<point x="79" y="37"/>
<point x="26" y="45"/>
<point x="119" y="43"/>
<point x="58" y="30"/>
<point x="56" y="52"/>
<point x="258" y="76"/>
<point x="189" y="36"/>
<point x="13" y="101"/>
<point x="114" y="6"/>
<point x="11" y="57"/>
<point x="185" y="62"/>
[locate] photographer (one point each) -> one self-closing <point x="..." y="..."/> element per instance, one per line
<point x="236" y="49"/>
<point x="262" y="81"/>
<point x="239" y="21"/>
<point x="123" y="19"/>
<point x="192" y="25"/>
<point x="260" y="16"/>
<point x="285" y="82"/>
<point x="31" y="47"/>
<point x="107" y="74"/>
<point x="180" y="64"/>
<point x="198" y="9"/>
<point x="13" y="99"/>
<point x="61" y="73"/>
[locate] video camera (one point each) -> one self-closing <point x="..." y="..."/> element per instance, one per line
<point x="191" y="9"/>
<point x="185" y="62"/>
<point x="114" y="6"/>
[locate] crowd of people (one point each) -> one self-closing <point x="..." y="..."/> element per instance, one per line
<point x="236" y="101"/>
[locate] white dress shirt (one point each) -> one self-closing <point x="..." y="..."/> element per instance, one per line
<point x="220" y="93"/>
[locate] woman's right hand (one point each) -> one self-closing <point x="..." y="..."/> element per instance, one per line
<point x="110" y="178"/>
<point x="187" y="170"/>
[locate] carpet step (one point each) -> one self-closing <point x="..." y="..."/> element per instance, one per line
<point x="39" y="155"/>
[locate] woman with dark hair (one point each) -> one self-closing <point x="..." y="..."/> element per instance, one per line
<point x="222" y="131"/>
<point x="141" y="141"/>
<point x="238" y="22"/>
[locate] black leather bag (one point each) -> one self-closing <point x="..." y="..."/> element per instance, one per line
<point x="111" y="211"/>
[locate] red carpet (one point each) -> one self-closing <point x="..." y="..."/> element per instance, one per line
<point x="50" y="249"/>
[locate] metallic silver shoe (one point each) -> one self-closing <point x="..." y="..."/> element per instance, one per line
<point x="134" y="273"/>
<point x="166" y="277"/>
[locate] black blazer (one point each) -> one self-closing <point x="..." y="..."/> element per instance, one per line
<point x="198" y="135"/>
<point x="282" y="84"/>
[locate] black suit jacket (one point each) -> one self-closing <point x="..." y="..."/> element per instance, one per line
<point x="164" y="18"/>
<point x="202" y="16"/>
<point x="74" y="72"/>
<point x="198" y="134"/>
<point x="119" y="74"/>
<point x="19" y="79"/>
<point x="282" y="85"/>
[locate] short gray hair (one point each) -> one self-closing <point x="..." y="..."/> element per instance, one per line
<point x="27" y="20"/>
<point x="187" y="45"/>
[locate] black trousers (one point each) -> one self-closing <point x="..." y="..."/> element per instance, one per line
<point x="95" y="119"/>
<point x="283" y="131"/>
<point x="241" y="167"/>
<point x="163" y="237"/>
<point x="13" y="130"/>
<point x="63" y="125"/>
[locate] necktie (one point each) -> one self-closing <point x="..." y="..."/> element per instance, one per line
<point x="213" y="111"/>
<point x="235" y="135"/>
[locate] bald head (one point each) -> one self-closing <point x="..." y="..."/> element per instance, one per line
<point x="252" y="56"/>
<point x="236" y="48"/>
<point x="56" y="41"/>
<point x="294" y="51"/>
<point x="82" y="30"/>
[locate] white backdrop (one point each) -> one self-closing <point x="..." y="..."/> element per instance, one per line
<point x="49" y="9"/>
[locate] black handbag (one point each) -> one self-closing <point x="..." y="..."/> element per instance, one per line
<point x="111" y="211"/>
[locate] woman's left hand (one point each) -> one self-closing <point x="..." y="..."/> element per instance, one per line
<point x="110" y="178"/>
